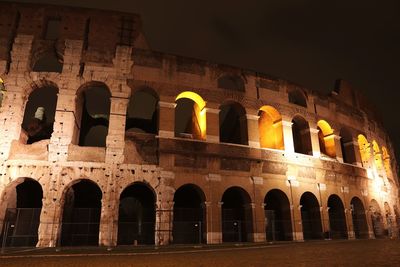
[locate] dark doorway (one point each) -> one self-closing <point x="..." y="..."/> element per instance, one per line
<point x="189" y="215"/>
<point x="22" y="216"/>
<point x="337" y="218"/>
<point x="137" y="217"/>
<point x="142" y="113"/>
<point x="237" y="222"/>
<point x="81" y="215"/>
<point x="39" y="114"/>
<point x="278" y="225"/>
<point x="310" y="217"/>
<point x="301" y="136"/>
<point x="233" y="124"/>
<point x="359" y="219"/>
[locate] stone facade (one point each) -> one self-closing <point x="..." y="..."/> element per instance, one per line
<point x="92" y="49"/>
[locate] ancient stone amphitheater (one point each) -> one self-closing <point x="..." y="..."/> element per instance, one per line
<point x="106" y="142"/>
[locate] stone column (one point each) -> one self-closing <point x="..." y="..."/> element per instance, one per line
<point x="212" y="128"/>
<point x="109" y="213"/>
<point x="167" y="119"/>
<point x="357" y="153"/>
<point x="349" y="223"/>
<point x="258" y="222"/>
<point x="252" y="130"/>
<point x="49" y="232"/>
<point x="338" y="148"/>
<point x="316" y="150"/>
<point x="115" y="141"/>
<point x="288" y="135"/>
<point x="371" y="233"/>
<point x="214" y="226"/>
<point x="297" y="223"/>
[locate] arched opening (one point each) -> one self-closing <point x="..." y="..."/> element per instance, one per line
<point x="137" y="215"/>
<point x="231" y="82"/>
<point x="310" y="217"/>
<point x="22" y="216"/>
<point x="347" y="145"/>
<point x="190" y="116"/>
<point x="142" y="113"/>
<point x="326" y="139"/>
<point x="81" y="214"/>
<point x="189" y="215"/>
<point x="233" y="124"/>
<point x="278" y="224"/>
<point x="48" y="62"/>
<point x="360" y="225"/>
<point x="365" y="150"/>
<point x="377" y="219"/>
<point x="301" y="136"/>
<point x="93" y="113"/>
<point x="39" y="114"/>
<point x="270" y="127"/>
<point x="337" y="218"/>
<point x="386" y="162"/>
<point x="237" y="223"/>
<point x="377" y="155"/>
<point x="297" y="97"/>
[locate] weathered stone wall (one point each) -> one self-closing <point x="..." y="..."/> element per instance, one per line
<point x="91" y="53"/>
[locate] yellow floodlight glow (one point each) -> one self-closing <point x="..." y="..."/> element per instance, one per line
<point x="327" y="138"/>
<point x="199" y="114"/>
<point x="386" y="162"/>
<point x="193" y="96"/>
<point x="377" y="155"/>
<point x="270" y="128"/>
<point x="365" y="149"/>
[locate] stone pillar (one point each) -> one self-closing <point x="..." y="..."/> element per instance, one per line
<point x="297" y="223"/>
<point x="357" y="153"/>
<point x="167" y="119"/>
<point x="288" y="136"/>
<point x="338" y="148"/>
<point x="212" y="128"/>
<point x="349" y="222"/>
<point x="371" y="234"/>
<point x="109" y="212"/>
<point x="64" y="126"/>
<point x="252" y="130"/>
<point x="21" y="54"/>
<point x="326" y="227"/>
<point x="49" y="232"/>
<point x="214" y="226"/>
<point x="316" y="150"/>
<point x="258" y="222"/>
<point x="116" y="130"/>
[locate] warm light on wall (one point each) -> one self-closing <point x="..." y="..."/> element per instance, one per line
<point x="377" y="155"/>
<point x="199" y="112"/>
<point x="327" y="138"/>
<point x="386" y="162"/>
<point x="365" y="149"/>
<point x="270" y="128"/>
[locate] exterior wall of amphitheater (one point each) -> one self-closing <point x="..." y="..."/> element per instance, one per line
<point x="92" y="54"/>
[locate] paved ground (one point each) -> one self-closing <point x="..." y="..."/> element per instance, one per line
<point x="321" y="253"/>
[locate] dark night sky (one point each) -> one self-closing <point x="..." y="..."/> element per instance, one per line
<point x="311" y="43"/>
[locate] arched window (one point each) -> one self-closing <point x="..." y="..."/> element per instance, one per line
<point x="93" y="113"/>
<point x="277" y="215"/>
<point x="365" y="149"/>
<point x="377" y="155"/>
<point x="301" y="136"/>
<point x="348" y="150"/>
<point x="39" y="113"/>
<point x="270" y="128"/>
<point x="233" y="124"/>
<point x="190" y="116"/>
<point x="386" y="162"/>
<point x="296" y="96"/>
<point x="231" y="82"/>
<point x="48" y="62"/>
<point x="142" y="113"/>
<point x="326" y="139"/>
